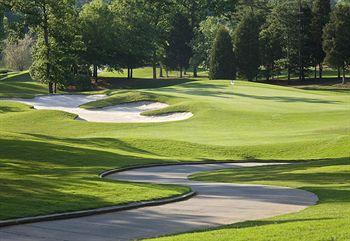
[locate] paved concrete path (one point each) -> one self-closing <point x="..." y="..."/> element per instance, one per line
<point x="216" y="204"/>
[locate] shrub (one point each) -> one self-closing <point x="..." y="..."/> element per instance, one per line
<point x="222" y="60"/>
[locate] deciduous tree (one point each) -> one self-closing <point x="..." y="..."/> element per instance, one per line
<point x="320" y="17"/>
<point x="178" y="51"/>
<point x="336" y="38"/>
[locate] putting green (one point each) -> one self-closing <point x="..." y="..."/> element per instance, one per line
<point x="49" y="162"/>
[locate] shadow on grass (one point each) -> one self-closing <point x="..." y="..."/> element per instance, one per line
<point x="20" y="77"/>
<point x="296" y="172"/>
<point x="285" y="99"/>
<point x="139" y="83"/>
<point x="46" y="176"/>
<point x="21" y="89"/>
<point x="107" y="143"/>
<point x="7" y="109"/>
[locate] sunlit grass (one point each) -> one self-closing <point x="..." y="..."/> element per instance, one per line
<point x="53" y="160"/>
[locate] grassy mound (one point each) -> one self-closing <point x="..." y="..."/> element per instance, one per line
<point x="329" y="179"/>
<point x="49" y="162"/>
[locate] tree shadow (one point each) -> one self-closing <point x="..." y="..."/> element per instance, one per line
<point x="95" y="142"/>
<point x="139" y="83"/>
<point x="46" y="176"/>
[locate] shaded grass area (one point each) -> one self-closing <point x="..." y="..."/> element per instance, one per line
<point x="138" y="83"/>
<point x="42" y="174"/>
<point x="13" y="85"/>
<point x="49" y="162"/>
<point x="121" y="97"/>
<point x="328" y="220"/>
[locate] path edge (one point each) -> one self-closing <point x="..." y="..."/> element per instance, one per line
<point x="116" y="208"/>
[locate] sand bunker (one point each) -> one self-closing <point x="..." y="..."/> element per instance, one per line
<point x="123" y="113"/>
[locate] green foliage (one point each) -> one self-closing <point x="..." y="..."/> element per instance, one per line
<point x="222" y="63"/>
<point x="178" y="51"/>
<point x="305" y="40"/>
<point x="271" y="49"/>
<point x="56" y="54"/>
<point x="336" y="37"/>
<point x="321" y="10"/>
<point x="2" y="27"/>
<point x="100" y="33"/>
<point x="247" y="46"/>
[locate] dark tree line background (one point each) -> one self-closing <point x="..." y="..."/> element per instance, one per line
<point x="74" y="39"/>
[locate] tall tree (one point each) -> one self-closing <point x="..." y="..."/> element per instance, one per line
<point x="136" y="43"/>
<point x="271" y="48"/>
<point x="222" y="62"/>
<point x="336" y="38"/>
<point x="2" y="27"/>
<point x="305" y="43"/>
<point x="99" y="33"/>
<point x="49" y="19"/>
<point x="178" y="51"/>
<point x="321" y="12"/>
<point x="247" y="45"/>
<point x="56" y="56"/>
<point x="158" y="13"/>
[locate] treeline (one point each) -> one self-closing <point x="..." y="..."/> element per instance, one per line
<point x="71" y="40"/>
<point x="292" y="37"/>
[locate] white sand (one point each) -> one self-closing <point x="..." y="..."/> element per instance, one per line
<point x="123" y="113"/>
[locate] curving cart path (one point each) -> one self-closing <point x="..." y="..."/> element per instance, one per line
<point x="215" y="204"/>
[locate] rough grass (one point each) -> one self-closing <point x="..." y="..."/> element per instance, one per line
<point x="49" y="162"/>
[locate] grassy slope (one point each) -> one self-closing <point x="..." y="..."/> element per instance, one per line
<point x="329" y="220"/>
<point x="59" y="158"/>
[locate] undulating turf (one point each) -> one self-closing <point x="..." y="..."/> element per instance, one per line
<point x="328" y="220"/>
<point x="49" y="162"/>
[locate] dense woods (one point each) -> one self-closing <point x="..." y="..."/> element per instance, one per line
<point x="71" y="40"/>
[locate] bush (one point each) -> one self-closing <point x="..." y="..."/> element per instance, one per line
<point x="222" y="60"/>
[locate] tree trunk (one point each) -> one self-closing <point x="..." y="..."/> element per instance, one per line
<point x="50" y="87"/>
<point x="154" y="66"/>
<point x="161" y="70"/>
<point x="321" y="72"/>
<point x="45" y="27"/>
<point x="181" y="72"/>
<point x="55" y="88"/>
<point x="167" y="72"/>
<point x="288" y="73"/>
<point x="344" y="79"/>
<point x="315" y="72"/>
<point x="195" y="71"/>
<point x="95" y="72"/>
<point x="131" y="73"/>
<point x="339" y="74"/>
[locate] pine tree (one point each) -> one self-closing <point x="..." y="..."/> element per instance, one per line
<point x="222" y="60"/>
<point x="336" y="38"/>
<point x="247" y="46"/>
<point x="321" y="12"/>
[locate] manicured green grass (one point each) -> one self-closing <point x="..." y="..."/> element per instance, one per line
<point x="20" y="85"/>
<point x="49" y="162"/>
<point x="119" y="97"/>
<point x="328" y="220"/>
<point x="146" y="72"/>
